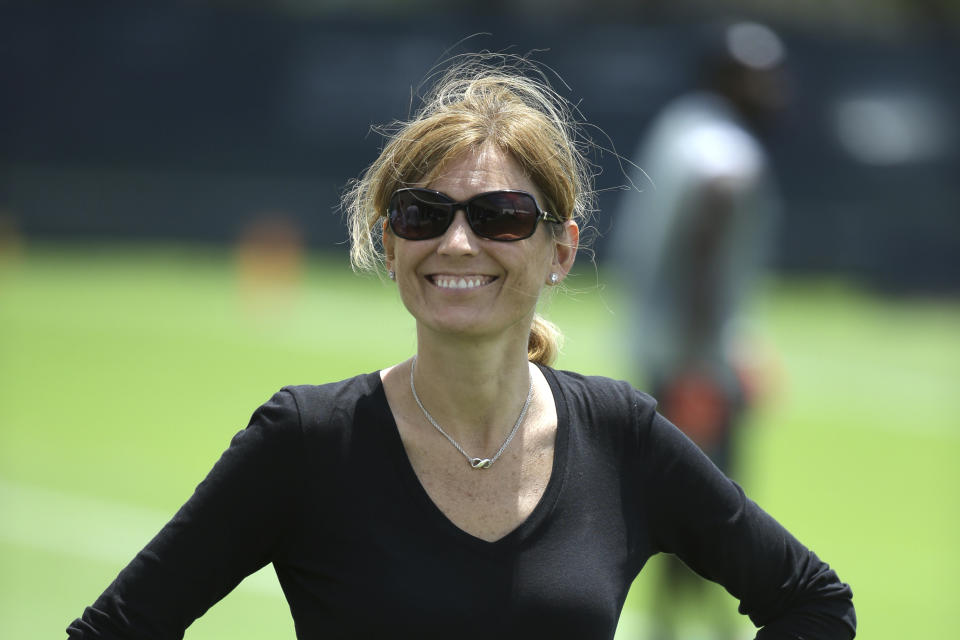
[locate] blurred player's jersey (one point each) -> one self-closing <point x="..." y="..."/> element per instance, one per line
<point x="695" y="149"/>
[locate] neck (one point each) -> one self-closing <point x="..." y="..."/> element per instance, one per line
<point x="474" y="391"/>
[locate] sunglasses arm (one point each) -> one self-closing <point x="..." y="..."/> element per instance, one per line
<point x="546" y="216"/>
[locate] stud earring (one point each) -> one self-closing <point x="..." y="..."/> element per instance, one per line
<point x="392" y="274"/>
<point x="554" y="278"/>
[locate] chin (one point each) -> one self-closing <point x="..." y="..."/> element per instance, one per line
<point x="468" y="325"/>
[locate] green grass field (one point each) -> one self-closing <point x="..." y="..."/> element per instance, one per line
<point x="125" y="370"/>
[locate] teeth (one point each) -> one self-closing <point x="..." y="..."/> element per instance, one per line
<point x="461" y="283"/>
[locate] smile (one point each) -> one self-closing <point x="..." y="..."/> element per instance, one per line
<point x="461" y="282"/>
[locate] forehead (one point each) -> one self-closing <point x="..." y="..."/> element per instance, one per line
<point x="479" y="170"/>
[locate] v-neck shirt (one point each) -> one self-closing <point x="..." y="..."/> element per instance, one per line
<point x="419" y="498"/>
<point x="320" y="485"/>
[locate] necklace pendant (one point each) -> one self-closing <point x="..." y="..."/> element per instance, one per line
<point x="480" y="463"/>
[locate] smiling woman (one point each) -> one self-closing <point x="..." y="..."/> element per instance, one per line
<point x="458" y="282"/>
<point x="471" y="484"/>
<point x="480" y="106"/>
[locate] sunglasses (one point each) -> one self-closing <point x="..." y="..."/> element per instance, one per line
<point x="507" y="215"/>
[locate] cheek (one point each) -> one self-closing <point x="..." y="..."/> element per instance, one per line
<point x="532" y="272"/>
<point x="404" y="254"/>
<point x="539" y="260"/>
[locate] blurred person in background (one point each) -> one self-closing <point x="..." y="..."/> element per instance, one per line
<point x="690" y="241"/>
<point x="471" y="490"/>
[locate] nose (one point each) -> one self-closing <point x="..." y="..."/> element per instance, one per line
<point x="459" y="238"/>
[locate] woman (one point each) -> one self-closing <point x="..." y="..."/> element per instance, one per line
<point x="471" y="490"/>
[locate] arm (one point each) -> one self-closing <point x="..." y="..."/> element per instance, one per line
<point x="231" y="527"/>
<point x="710" y="228"/>
<point x="705" y="519"/>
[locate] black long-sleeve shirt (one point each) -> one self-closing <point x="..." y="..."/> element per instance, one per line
<point x="319" y="484"/>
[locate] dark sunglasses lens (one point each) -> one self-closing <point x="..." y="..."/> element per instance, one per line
<point x="503" y="216"/>
<point x="417" y="216"/>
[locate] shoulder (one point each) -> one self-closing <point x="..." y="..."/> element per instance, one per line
<point x="601" y="400"/>
<point x="705" y="133"/>
<point x="326" y="405"/>
<point x="299" y="420"/>
<point x="333" y="396"/>
<point x="302" y="407"/>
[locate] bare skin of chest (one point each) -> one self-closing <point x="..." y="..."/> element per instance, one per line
<point x="486" y="503"/>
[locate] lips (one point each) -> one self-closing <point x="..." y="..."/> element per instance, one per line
<point x="471" y="281"/>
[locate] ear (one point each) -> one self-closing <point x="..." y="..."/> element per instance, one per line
<point x="565" y="249"/>
<point x="389" y="244"/>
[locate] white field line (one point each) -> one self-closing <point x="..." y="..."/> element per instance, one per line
<point x="90" y="528"/>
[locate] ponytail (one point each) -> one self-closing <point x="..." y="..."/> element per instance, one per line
<point x="545" y="340"/>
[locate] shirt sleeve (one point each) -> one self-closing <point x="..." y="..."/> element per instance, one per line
<point x="705" y="519"/>
<point x="232" y="526"/>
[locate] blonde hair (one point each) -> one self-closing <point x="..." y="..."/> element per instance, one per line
<point x="482" y="99"/>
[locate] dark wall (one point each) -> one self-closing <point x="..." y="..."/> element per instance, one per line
<point x="190" y="122"/>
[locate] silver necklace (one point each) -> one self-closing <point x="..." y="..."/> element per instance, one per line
<point x="476" y="463"/>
